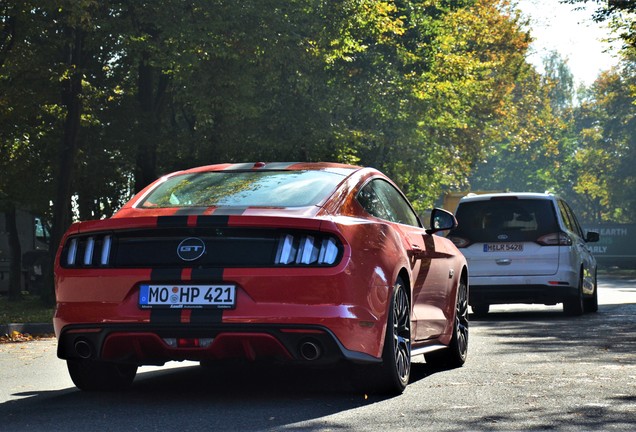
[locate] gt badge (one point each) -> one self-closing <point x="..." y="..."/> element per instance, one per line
<point x="191" y="249"/>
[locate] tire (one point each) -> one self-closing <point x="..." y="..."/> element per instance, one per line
<point x="591" y="303"/>
<point x="90" y="375"/>
<point x="575" y="305"/>
<point x="457" y="351"/>
<point x="396" y="355"/>
<point x="480" y="310"/>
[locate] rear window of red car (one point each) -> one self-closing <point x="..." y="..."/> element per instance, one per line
<point x="244" y="189"/>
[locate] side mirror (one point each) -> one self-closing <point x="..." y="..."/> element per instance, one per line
<point x="592" y="237"/>
<point x="441" y="220"/>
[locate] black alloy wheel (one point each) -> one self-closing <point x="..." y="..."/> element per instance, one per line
<point x="402" y="334"/>
<point x="461" y="323"/>
<point x="457" y="351"/>
<point x="396" y="356"/>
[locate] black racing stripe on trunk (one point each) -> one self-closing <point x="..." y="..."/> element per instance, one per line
<point x="160" y="315"/>
<point x="212" y="221"/>
<point x="211" y="275"/>
<point x="165" y="275"/>
<point x="165" y="316"/>
<point x="172" y="221"/>
<point x="206" y="316"/>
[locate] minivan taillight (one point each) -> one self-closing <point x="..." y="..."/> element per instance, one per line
<point x="460" y="242"/>
<point x="555" y="239"/>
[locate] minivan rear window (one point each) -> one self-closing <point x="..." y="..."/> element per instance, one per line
<point x="518" y="220"/>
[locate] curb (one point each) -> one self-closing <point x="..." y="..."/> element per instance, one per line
<point x="34" y="329"/>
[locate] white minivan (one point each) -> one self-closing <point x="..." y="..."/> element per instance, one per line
<point x="525" y="248"/>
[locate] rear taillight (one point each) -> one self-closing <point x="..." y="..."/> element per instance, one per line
<point x="460" y="242"/>
<point x="87" y="251"/>
<point x="305" y="249"/>
<point x="555" y="239"/>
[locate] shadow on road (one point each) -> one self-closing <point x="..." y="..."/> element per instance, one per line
<point x="190" y="398"/>
<point x="557" y="372"/>
<point x="247" y="398"/>
<point x="584" y="338"/>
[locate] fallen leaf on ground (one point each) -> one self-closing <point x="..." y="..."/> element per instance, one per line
<point x="16" y="336"/>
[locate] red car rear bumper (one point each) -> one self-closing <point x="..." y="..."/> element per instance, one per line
<point x="158" y="344"/>
<point x="284" y="314"/>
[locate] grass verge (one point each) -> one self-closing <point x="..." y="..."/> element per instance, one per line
<point x="29" y="309"/>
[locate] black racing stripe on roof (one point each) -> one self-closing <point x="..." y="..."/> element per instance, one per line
<point x="227" y="211"/>
<point x="279" y="165"/>
<point x="241" y="166"/>
<point x="172" y="221"/>
<point x="267" y="166"/>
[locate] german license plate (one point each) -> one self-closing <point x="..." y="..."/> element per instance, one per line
<point x="187" y="296"/>
<point x="503" y="247"/>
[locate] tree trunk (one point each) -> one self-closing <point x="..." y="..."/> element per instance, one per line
<point x="71" y="91"/>
<point x="151" y="90"/>
<point x="15" y="253"/>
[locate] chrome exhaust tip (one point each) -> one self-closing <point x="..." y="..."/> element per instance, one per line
<point x="310" y="350"/>
<point x="83" y="349"/>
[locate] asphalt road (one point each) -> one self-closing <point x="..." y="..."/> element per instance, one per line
<point x="529" y="368"/>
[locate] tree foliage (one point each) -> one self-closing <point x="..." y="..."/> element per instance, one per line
<point x="97" y="99"/>
<point x="529" y="153"/>
<point x="602" y="171"/>
<point x="583" y="150"/>
<point x="405" y="86"/>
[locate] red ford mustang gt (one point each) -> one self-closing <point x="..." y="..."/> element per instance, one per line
<point x="309" y="263"/>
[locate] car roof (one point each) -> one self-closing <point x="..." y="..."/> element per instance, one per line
<point x="519" y="195"/>
<point x="343" y="169"/>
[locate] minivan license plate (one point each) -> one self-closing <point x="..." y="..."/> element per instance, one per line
<point x="187" y="296"/>
<point x="503" y="247"/>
